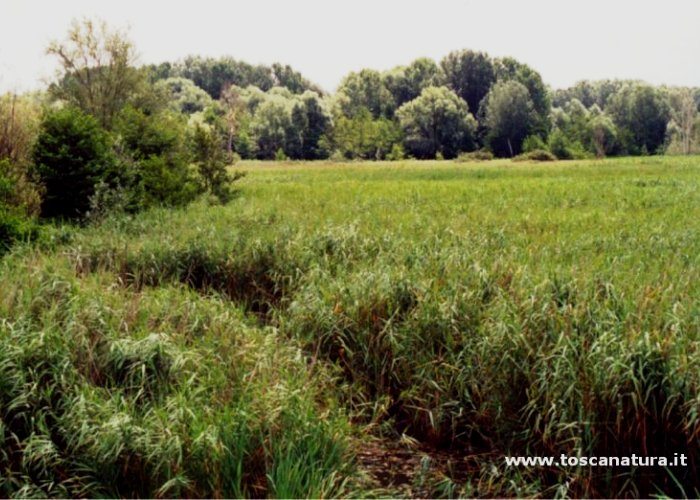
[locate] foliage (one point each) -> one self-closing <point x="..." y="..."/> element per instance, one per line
<point x="71" y="155"/>
<point x="153" y="158"/>
<point x="479" y="155"/>
<point x="507" y="69"/>
<point x="99" y="76"/>
<point x="365" y="90"/>
<point x="216" y="75"/>
<point x="184" y="96"/>
<point x="211" y="162"/>
<point x="509" y="117"/>
<point x="470" y="74"/>
<point x="407" y="82"/>
<point x="535" y="155"/>
<point x="640" y="113"/>
<point x="362" y="137"/>
<point x="437" y="121"/>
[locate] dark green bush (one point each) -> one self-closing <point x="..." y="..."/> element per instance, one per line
<point x="72" y="154"/>
<point x="154" y="151"/>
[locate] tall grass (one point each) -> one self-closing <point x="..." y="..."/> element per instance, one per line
<point x="484" y="309"/>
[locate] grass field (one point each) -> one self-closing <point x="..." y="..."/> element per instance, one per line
<point x="333" y="317"/>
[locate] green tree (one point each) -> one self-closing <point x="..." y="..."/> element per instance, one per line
<point x="407" y="82"/>
<point x="362" y="136"/>
<point x="99" y="76"/>
<point x="641" y="114"/>
<point x="271" y="126"/>
<point x="183" y="95"/>
<point x="71" y="155"/>
<point x="365" y="90"/>
<point x="154" y="158"/>
<point x="509" y="117"/>
<point x="508" y="68"/>
<point x="469" y="74"/>
<point x="317" y="124"/>
<point x="602" y="134"/>
<point x="210" y="158"/>
<point x="438" y="121"/>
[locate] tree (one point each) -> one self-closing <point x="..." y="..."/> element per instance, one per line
<point x="71" y="155"/>
<point x="365" y="90"/>
<point x="438" y="121"/>
<point x="407" y="82"/>
<point x="509" y="117"/>
<point x="210" y="159"/>
<point x="271" y="126"/>
<point x="215" y="75"/>
<point x="508" y="68"/>
<point x="99" y="75"/>
<point x="641" y="114"/>
<point x="183" y="95"/>
<point x="234" y="107"/>
<point x="684" y="112"/>
<point x="469" y="74"/>
<point x="153" y="158"/>
<point x="602" y="134"/>
<point x="362" y="136"/>
<point x="317" y="124"/>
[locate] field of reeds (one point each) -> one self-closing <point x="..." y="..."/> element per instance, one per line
<point x="334" y="318"/>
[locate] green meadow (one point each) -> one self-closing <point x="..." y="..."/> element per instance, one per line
<point x="335" y="316"/>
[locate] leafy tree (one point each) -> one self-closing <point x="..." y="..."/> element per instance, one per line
<point x="154" y="159"/>
<point x="71" y="155"/>
<point x="684" y="112"/>
<point x="285" y="76"/>
<point x="407" y="82"/>
<point x="99" y="75"/>
<point x="365" y="90"/>
<point x="469" y="74"/>
<point x="271" y="126"/>
<point x="317" y="122"/>
<point x="509" y="117"/>
<point x="296" y="133"/>
<point x="362" y="136"/>
<point x="508" y="68"/>
<point x="234" y="107"/>
<point x="641" y="114"/>
<point x="215" y="75"/>
<point x="602" y="134"/>
<point x="183" y="95"/>
<point x="438" y="121"/>
<point x="210" y="159"/>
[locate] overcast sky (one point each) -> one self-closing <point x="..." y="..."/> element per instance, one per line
<point x="657" y="41"/>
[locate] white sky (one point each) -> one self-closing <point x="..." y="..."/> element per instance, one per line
<point x="657" y="41"/>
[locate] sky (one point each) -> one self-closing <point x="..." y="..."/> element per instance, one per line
<point x="565" y="40"/>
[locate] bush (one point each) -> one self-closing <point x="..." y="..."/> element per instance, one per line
<point x="15" y="228"/>
<point x="536" y="155"/>
<point x="566" y="149"/>
<point x="480" y="155"/>
<point x="72" y="154"/>
<point x="154" y="154"/>
<point x="210" y="158"/>
<point x="533" y="143"/>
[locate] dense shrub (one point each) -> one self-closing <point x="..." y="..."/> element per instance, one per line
<point x="72" y="154"/>
<point x="536" y="155"/>
<point x="155" y="156"/>
<point x="480" y="155"/>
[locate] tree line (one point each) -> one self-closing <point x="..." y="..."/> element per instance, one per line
<point x="110" y="134"/>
